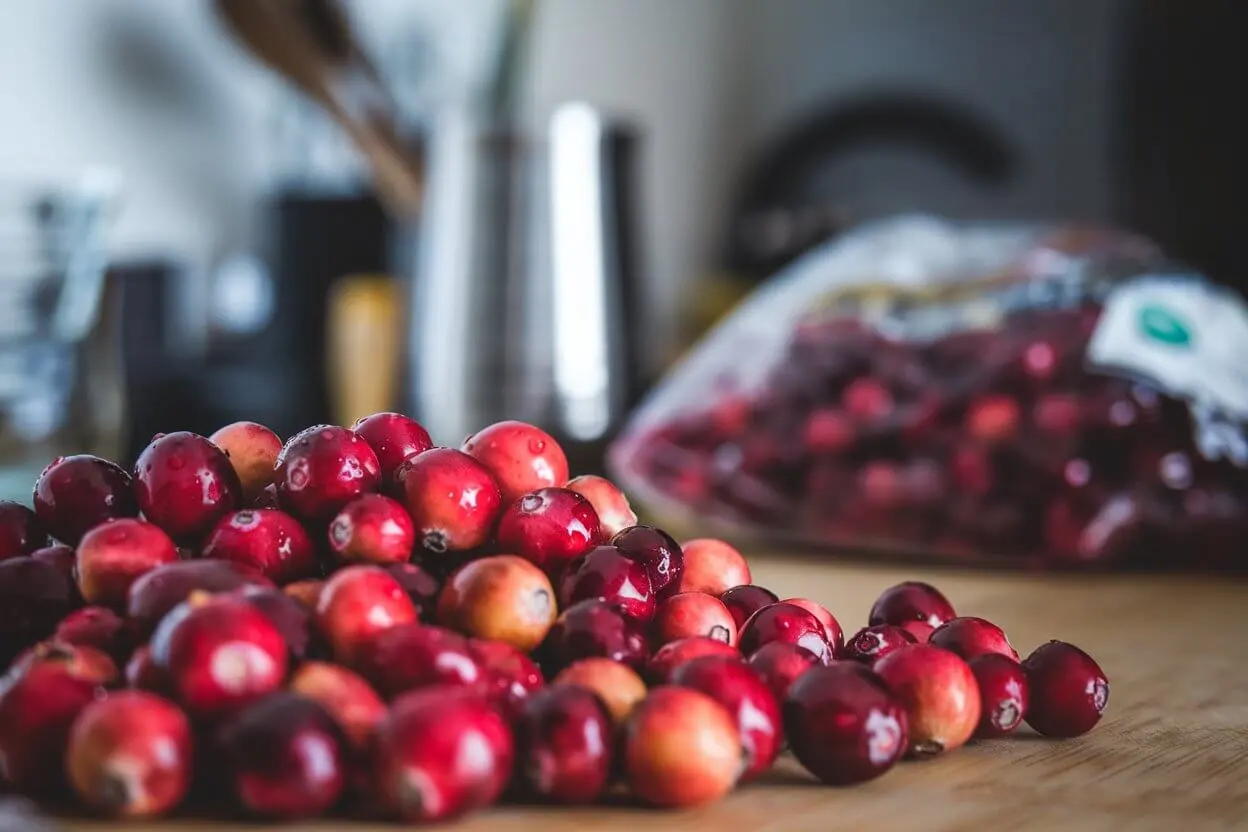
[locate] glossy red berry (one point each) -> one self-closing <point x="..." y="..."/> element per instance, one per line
<point x="658" y="552"/>
<point x="37" y="710"/>
<point x="453" y="499"/>
<point x="693" y="614"/>
<point x="712" y="566"/>
<point x="112" y="556"/>
<point x="781" y="664"/>
<point x="564" y="745"/>
<point x="970" y="637"/>
<point x="831" y="627"/>
<point x="870" y="644"/>
<point x="184" y="484"/>
<point x="1069" y="691"/>
<point x="672" y="656"/>
<point x="270" y="541"/>
<point x="610" y="504"/>
<point x="395" y="438"/>
<point x="743" y="601"/>
<point x="911" y="601"/>
<point x="785" y="622"/>
<point x="20" y="531"/>
<point x="608" y="574"/>
<point x="550" y="527"/>
<point x="323" y="468"/>
<point x="522" y="457"/>
<point x="372" y="529"/>
<point x="75" y="494"/>
<point x="741" y="689"/>
<point x="412" y="656"/>
<point x="356" y="604"/>
<point x="1003" y="694"/>
<point x="940" y="695"/>
<point x="594" y="628"/>
<point x="511" y="677"/>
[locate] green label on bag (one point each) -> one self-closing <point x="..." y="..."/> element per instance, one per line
<point x="1162" y="325"/>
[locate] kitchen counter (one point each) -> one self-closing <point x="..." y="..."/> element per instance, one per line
<point x="1171" y="752"/>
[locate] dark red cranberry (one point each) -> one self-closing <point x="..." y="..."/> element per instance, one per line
<point x="421" y="587"/>
<point x="970" y="637"/>
<point x="1003" y="694"/>
<point x="292" y="619"/>
<point x="744" y="601"/>
<point x="252" y="450"/>
<point x="372" y="529"/>
<point x="595" y="628"/>
<point x="1069" y="691"/>
<point x="781" y="664"/>
<point x="658" y="552"/>
<point x="323" y="468"/>
<point x="411" y="656"/>
<point x="741" y="689"/>
<point x="34" y="597"/>
<point x="609" y="502"/>
<point x="77" y="493"/>
<point x="143" y="673"/>
<point x="270" y="541"/>
<point x="607" y="574"/>
<point x="20" y="530"/>
<point x="550" y="527"/>
<point x="521" y="457"/>
<point x="564" y="745"/>
<point x="37" y="710"/>
<point x="911" y="601"/>
<point x="454" y="500"/>
<point x="672" y="656"/>
<point x="184" y="484"/>
<point x="831" y="627"/>
<point x="871" y="644"/>
<point x="65" y="560"/>
<point x="787" y="623"/>
<point x="511" y="677"/>
<point x="844" y="724"/>
<point x="97" y="627"/>
<point x="501" y="597"/>
<point x="153" y="595"/>
<point x="940" y="695"/>
<point x="395" y="438"/>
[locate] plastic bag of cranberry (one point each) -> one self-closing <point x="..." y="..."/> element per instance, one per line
<point x="1037" y="396"/>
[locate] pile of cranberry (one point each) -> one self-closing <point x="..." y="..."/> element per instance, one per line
<point x="358" y="621"/>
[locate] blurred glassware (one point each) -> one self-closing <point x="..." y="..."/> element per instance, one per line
<point x="60" y="385"/>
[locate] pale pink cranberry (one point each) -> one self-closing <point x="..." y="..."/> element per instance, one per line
<point x="940" y="695"/>
<point x="522" y="457"/>
<point x="184" y="484"/>
<point x="618" y="686"/>
<point x="372" y="529"/>
<point x="712" y="566"/>
<point x="612" y="507"/>
<point x="267" y="540"/>
<point x="503" y="597"/>
<point x="252" y="450"/>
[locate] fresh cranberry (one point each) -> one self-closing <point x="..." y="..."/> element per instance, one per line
<point x="77" y="493"/>
<point x="413" y="655"/>
<point x="920" y="631"/>
<point x="129" y="755"/>
<point x="20" y="530"/>
<point x="550" y="526"/>
<point x="270" y="541"/>
<point x="184" y="484"/>
<point x="521" y="457"/>
<point x="357" y="603"/>
<point x="595" y="628"/>
<point x="844" y="724"/>
<point x="292" y="619"/>
<point x="1003" y="694"/>
<point x="911" y="601"/>
<point x="870" y="644"/>
<point x="441" y="754"/>
<point x="114" y="555"/>
<point x="658" y="552"/>
<point x="616" y="684"/>
<point x="610" y="505"/>
<point x="155" y="593"/>
<point x="781" y="664"/>
<point x="321" y="469"/>
<point x="940" y="695"/>
<point x="395" y="438"/>
<point x="421" y="587"/>
<point x="1069" y="691"/>
<point x="97" y="627"/>
<point x="37" y="711"/>
<point x="608" y="574"/>
<point x="564" y="745"/>
<point x="693" y="614"/>
<point x="252" y="450"/>
<point x="831" y="627"/>
<point x="78" y="660"/>
<point x="970" y="637"/>
<point x="671" y="656"/>
<point x="372" y="529"/>
<point x="453" y="499"/>
<point x="743" y="601"/>
<point x="345" y="696"/>
<point x="285" y="757"/>
<point x="741" y="689"/>
<point x="34" y="597"/>
<point x="511" y="677"/>
<point x="680" y="748"/>
<point x="785" y="622"/>
<point x="503" y="597"/>
<point x="712" y="566"/>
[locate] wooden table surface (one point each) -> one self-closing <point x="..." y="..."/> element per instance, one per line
<point x="1171" y="752"/>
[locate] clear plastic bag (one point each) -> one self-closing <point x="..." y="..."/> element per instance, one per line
<point x="1041" y="396"/>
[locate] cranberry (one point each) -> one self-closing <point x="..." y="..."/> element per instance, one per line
<point x="661" y="555"/>
<point x="34" y="597"/>
<point x="871" y="644"/>
<point x="616" y="684"/>
<point x="129" y="755"/>
<point x="153" y="595"/>
<point x="993" y="418"/>
<point x="610" y="505"/>
<point x="503" y="597"/>
<point x="693" y="614"/>
<point x="1069" y="691"/>
<point x="743" y="601"/>
<point x="453" y="499"/>
<point x="345" y="696"/>
<point x="413" y="655"/>
<point x="395" y="438"/>
<point x="357" y="603"/>
<point x="80" y="661"/>
<point x="594" y="628"/>
<point x="550" y="527"/>
<point x="291" y="618"/>
<point x="1003" y="694"/>
<point x="971" y="637"/>
<point x="920" y="631"/>
<point x="741" y="689"/>
<point x="64" y="560"/>
<point x="184" y="484"/>
<point x="785" y="622"/>
<point x="305" y="593"/>
<point x="671" y="656"/>
<point x="222" y="655"/>
<point x="252" y="450"/>
<point x="911" y="601"/>
<point x="421" y="587"/>
<point x="564" y="745"/>
<point x="372" y="529"/>
<point x="77" y="493"/>
<point x="781" y="664"/>
<point x="270" y="541"/>
<point x="521" y="457"/>
<point x="284" y="755"/>
<point x="511" y="677"/>
<point x="608" y="574"/>
<point x="321" y="469"/>
<point x="712" y="566"/>
<point x="440" y="754"/>
<point x="831" y="627"/>
<point x="940" y="695"/>
<point x="114" y="555"/>
<point x="143" y="673"/>
<point x="681" y="748"/>
<point x="97" y="627"/>
<point x="36" y="712"/>
<point x="20" y="530"/>
<point x="844" y="725"/>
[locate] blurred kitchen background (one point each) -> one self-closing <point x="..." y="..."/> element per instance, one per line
<point x="574" y="190"/>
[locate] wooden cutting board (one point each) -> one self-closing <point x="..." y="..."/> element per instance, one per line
<point x="1171" y="753"/>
